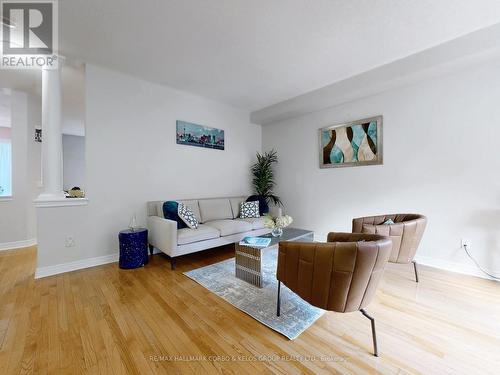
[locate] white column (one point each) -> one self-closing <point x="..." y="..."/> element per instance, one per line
<point x="52" y="156"/>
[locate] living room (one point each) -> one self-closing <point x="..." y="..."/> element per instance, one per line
<point x="137" y="172"/>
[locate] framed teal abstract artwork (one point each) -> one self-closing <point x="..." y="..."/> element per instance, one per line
<point x="351" y="144"/>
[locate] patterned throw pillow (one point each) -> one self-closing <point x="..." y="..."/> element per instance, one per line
<point x="263" y="206"/>
<point x="249" y="210"/>
<point x="187" y="216"/>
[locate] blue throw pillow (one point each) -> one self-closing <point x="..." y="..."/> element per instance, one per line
<point x="170" y="212"/>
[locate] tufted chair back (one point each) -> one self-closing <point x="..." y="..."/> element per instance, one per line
<point x="405" y="233"/>
<point x="340" y="275"/>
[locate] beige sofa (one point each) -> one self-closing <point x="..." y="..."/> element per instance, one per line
<point x="219" y="225"/>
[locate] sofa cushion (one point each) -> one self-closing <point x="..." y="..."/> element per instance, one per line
<point x="159" y="209"/>
<point x="228" y="227"/>
<point x="257" y="223"/>
<point x="235" y="205"/>
<point x="170" y="212"/>
<point x="193" y="205"/>
<point x="204" y="232"/>
<point x="215" y="209"/>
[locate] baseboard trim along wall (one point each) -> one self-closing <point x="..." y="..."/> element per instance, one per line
<point x="445" y="265"/>
<point x="17" y="244"/>
<point x="76" y="265"/>
<point x="465" y="269"/>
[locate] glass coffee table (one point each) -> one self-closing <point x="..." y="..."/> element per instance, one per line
<point x="248" y="259"/>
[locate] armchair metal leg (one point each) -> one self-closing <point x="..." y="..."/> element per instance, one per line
<point x="151" y="249"/>
<point x="173" y="263"/>
<point x="374" y="333"/>
<point x="416" y="270"/>
<point x="278" y="302"/>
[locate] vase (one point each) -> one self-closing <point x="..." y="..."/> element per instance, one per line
<point x="277" y="232"/>
<point x="133" y="223"/>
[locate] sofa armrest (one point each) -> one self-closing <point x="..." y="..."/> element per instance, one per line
<point x="162" y="234"/>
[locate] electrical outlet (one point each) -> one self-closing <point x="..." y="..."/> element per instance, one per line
<point x="70" y="241"/>
<point x="465" y="243"/>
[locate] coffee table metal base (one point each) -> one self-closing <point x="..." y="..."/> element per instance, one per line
<point x="248" y="259"/>
<point x="249" y="264"/>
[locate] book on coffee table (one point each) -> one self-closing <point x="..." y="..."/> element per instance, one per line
<point x="255" y="241"/>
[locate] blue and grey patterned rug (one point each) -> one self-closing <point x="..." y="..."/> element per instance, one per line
<point x="296" y="314"/>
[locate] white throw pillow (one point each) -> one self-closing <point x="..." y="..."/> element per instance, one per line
<point x="249" y="210"/>
<point x="187" y="216"/>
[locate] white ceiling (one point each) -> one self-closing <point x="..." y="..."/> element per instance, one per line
<point x="472" y="49"/>
<point x="254" y="53"/>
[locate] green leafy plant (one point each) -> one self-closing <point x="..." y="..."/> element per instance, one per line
<point x="263" y="176"/>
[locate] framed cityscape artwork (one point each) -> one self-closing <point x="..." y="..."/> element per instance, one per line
<point x="200" y="136"/>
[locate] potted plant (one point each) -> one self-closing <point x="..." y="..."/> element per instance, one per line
<point x="263" y="181"/>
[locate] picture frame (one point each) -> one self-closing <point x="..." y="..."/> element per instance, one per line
<point x="352" y="144"/>
<point x="191" y="134"/>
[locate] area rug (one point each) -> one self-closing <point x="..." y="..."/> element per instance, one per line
<point x="260" y="303"/>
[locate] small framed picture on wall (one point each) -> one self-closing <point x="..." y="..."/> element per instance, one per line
<point x="199" y="136"/>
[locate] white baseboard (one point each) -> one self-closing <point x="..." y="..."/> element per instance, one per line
<point x="466" y="269"/>
<point x="17" y="244"/>
<point x="76" y="265"/>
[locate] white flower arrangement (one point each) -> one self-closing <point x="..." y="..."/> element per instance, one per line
<point x="277" y="221"/>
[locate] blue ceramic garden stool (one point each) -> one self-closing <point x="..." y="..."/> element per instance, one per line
<point x="133" y="248"/>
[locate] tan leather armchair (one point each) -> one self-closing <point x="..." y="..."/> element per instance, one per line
<point x="340" y="275"/>
<point x="405" y="233"/>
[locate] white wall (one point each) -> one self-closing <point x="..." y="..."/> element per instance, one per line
<point x="132" y="157"/>
<point x="73" y="161"/>
<point x="440" y="159"/>
<point x="34" y="167"/>
<point x="17" y="216"/>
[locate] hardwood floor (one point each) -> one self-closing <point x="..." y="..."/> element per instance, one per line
<point x="105" y="320"/>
